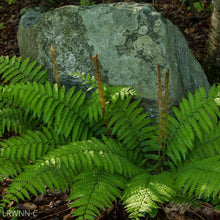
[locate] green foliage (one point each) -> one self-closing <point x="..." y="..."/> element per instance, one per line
<point x="194" y="119"/>
<point x="144" y="191"/>
<point x="86" y="2"/>
<point x="63" y="140"/>
<point x="216" y="203"/>
<point x="94" y="190"/>
<point x="198" y="6"/>
<point x="200" y="177"/>
<point x="13" y="71"/>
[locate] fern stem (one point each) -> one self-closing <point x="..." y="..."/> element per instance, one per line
<point x="160" y="112"/>
<point x="99" y="83"/>
<point x="55" y="67"/>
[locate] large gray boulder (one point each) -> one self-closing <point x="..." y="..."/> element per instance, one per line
<point x="131" y="40"/>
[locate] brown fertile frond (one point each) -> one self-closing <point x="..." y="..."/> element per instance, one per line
<point x="99" y="83"/>
<point x="163" y="115"/>
<point x="55" y="67"/>
<point x="166" y="102"/>
<point x="160" y="112"/>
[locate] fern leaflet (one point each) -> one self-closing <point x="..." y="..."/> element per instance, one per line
<point x="93" y="190"/>
<point x="191" y="120"/>
<point x="145" y="190"/>
<point x="15" y="70"/>
<point x="200" y="177"/>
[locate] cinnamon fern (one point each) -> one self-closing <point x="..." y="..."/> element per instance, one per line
<point x="194" y="119"/>
<point x="63" y="140"/>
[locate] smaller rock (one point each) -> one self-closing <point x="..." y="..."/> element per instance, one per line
<point x="29" y="206"/>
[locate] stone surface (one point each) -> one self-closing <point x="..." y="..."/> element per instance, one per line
<point x="131" y="40"/>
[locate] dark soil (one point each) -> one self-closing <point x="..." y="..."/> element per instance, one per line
<point x="53" y="205"/>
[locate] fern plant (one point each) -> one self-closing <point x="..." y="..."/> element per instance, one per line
<point x="66" y="141"/>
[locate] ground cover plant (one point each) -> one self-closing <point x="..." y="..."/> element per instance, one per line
<point x="103" y="147"/>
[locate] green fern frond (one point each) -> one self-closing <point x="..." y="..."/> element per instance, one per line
<point x="35" y="178"/>
<point x="191" y="119"/>
<point x="65" y="140"/>
<point x="112" y="93"/>
<point x="67" y="161"/>
<point x="94" y="190"/>
<point x="31" y="145"/>
<point x="144" y="191"/>
<point x="209" y="146"/>
<point x="110" y="156"/>
<point x="32" y="181"/>
<point x="86" y="79"/>
<point x="94" y="108"/>
<point x="129" y="123"/>
<point x="181" y="198"/>
<point x="49" y="103"/>
<point x="14" y="70"/>
<point x="200" y="177"/>
<point x="10" y="168"/>
<point x="13" y="119"/>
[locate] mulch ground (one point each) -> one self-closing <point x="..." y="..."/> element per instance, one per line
<point x="195" y="28"/>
